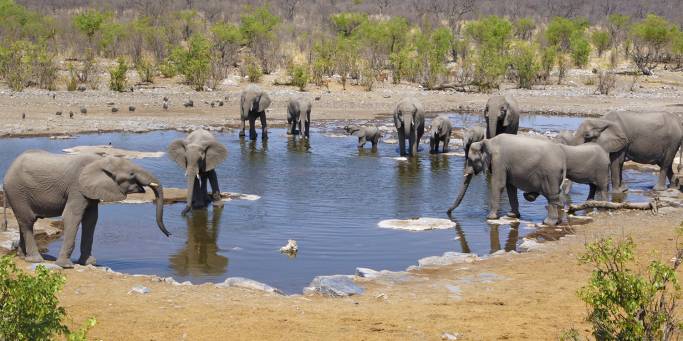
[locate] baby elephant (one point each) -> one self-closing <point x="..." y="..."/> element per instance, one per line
<point x="439" y="131"/>
<point x="299" y="115"/>
<point x="39" y="184"/>
<point x="472" y="135"/>
<point x="365" y="134"/>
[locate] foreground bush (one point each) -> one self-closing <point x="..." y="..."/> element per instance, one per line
<point x="624" y="303"/>
<point x="29" y="309"/>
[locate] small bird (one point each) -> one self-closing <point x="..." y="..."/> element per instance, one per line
<point x="131" y="108"/>
<point x="71" y="114"/>
<point x="114" y="109"/>
<point x="165" y="99"/>
<point x="58" y="113"/>
<point x="84" y="110"/>
<point x="23" y="115"/>
<point x="165" y="105"/>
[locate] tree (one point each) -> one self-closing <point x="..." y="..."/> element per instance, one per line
<point x="347" y="22"/>
<point x="650" y="37"/>
<point x="580" y="49"/>
<point x="618" y="26"/>
<point x="227" y="39"/>
<point x="258" y="26"/>
<point x="523" y="60"/>
<point x="382" y="5"/>
<point x="524" y="27"/>
<point x="601" y="41"/>
<point x="194" y="62"/>
<point x="492" y="32"/>
<point x="345" y="58"/>
<point x="289" y="7"/>
<point x="90" y="22"/>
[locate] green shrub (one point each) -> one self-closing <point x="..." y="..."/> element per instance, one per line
<point x="432" y="53"/>
<point x="367" y="77"/>
<point x="548" y="59"/>
<point x="300" y="76"/>
<point x="323" y="60"/>
<point x="118" y="79"/>
<point x="253" y="70"/>
<point x="524" y="27"/>
<point x="601" y="41"/>
<point x="493" y="32"/>
<point x="562" y="66"/>
<point x="226" y="39"/>
<point x="345" y="23"/>
<point x="257" y="26"/>
<point x="15" y="64"/>
<point x="146" y="70"/>
<point x="72" y="80"/>
<point x="345" y="59"/>
<point x="560" y="31"/>
<point x="625" y="304"/>
<point x="45" y="70"/>
<point x="194" y="62"/>
<point x="523" y="60"/>
<point x="489" y="67"/>
<point x="580" y="49"/>
<point x="650" y="37"/>
<point x="90" y="22"/>
<point x="168" y="69"/>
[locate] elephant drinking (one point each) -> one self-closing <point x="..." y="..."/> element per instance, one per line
<point x="253" y="105"/>
<point x="299" y="116"/>
<point x="409" y="120"/>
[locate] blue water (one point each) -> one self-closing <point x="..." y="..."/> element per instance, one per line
<point x="328" y="197"/>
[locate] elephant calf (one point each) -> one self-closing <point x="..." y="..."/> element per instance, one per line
<point x="39" y="184"/>
<point x="365" y="134"/>
<point x="409" y="119"/>
<point x="439" y="131"/>
<point x="253" y="105"/>
<point x="299" y="115"/>
<point x="199" y="154"/>
<point x="472" y="135"/>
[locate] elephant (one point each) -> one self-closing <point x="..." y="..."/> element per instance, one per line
<point x="299" y="115"/>
<point x="409" y="120"/>
<point x="199" y="154"/>
<point x="472" y="135"/>
<point x="253" y="105"/>
<point x="365" y="133"/>
<point x="501" y="115"/>
<point x="39" y="184"/>
<point x="530" y="164"/>
<point x="650" y="138"/>
<point x="586" y="164"/>
<point x="439" y="131"/>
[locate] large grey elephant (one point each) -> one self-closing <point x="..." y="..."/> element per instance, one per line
<point x="472" y="135"/>
<point x="199" y="154"/>
<point x="439" y="132"/>
<point x="253" y="105"/>
<point x="409" y="120"/>
<point x="501" y="115"/>
<point x="39" y="184"/>
<point x="364" y="134"/>
<point x="650" y="138"/>
<point x="532" y="165"/>
<point x="299" y="116"/>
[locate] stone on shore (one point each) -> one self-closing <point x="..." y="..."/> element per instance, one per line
<point x="246" y="283"/>
<point x="333" y="286"/>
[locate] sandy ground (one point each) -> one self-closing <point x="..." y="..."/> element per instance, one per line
<point x="515" y="296"/>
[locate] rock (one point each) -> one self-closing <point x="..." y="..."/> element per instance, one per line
<point x="140" y="289"/>
<point x="81" y="88"/>
<point x="220" y="103"/>
<point x="450" y="336"/>
<point x="579" y="220"/>
<point x="531" y="245"/>
<point x="448" y="258"/>
<point x="110" y="103"/>
<point x="49" y="266"/>
<point x="23" y="115"/>
<point x="58" y="113"/>
<point x="114" y="109"/>
<point x="317" y="98"/>
<point x="291" y="248"/>
<point x="71" y="113"/>
<point x="366" y="273"/>
<point x="84" y="110"/>
<point x="188" y="104"/>
<point x="419" y="224"/>
<point x="106" y="150"/>
<point x="333" y="286"/>
<point x="246" y="283"/>
<point x="131" y="108"/>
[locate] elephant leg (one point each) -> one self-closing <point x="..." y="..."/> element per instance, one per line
<point x="307" y="125"/>
<point x="361" y="142"/>
<point x="72" y="215"/>
<point x="213" y="180"/>
<point x="413" y="142"/>
<point x="264" y="126"/>
<point x="205" y="189"/>
<point x="243" y="128"/>
<point x="27" y="241"/>
<point x="252" y="127"/>
<point x="292" y="128"/>
<point x="591" y="192"/>
<point x="87" y="234"/>
<point x="497" y="185"/>
<point x="665" y="172"/>
<point x="553" y="217"/>
<point x="616" y="168"/>
<point x="514" y="202"/>
<point x="445" y="142"/>
<point x="401" y="143"/>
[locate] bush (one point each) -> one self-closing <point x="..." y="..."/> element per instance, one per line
<point x="490" y="66"/>
<point x="580" y="49"/>
<point x="253" y="70"/>
<point x="146" y="70"/>
<point x="432" y="53"/>
<point x="492" y="32"/>
<point x="118" y="79"/>
<point x="523" y="60"/>
<point x="168" y="69"/>
<point x="227" y="39"/>
<point x="345" y="58"/>
<point x="193" y="62"/>
<point x="562" y="66"/>
<point x="548" y="61"/>
<point x="367" y="77"/>
<point x="345" y="23"/>
<point x="300" y="76"/>
<point x="618" y="26"/>
<point x="560" y="32"/>
<point x="524" y="27"/>
<point x="650" y="37"/>
<point x="258" y="26"/>
<point x="625" y="304"/>
<point x="15" y="64"/>
<point x="45" y="69"/>
<point x="72" y="81"/>
<point x="606" y="82"/>
<point x="601" y="41"/>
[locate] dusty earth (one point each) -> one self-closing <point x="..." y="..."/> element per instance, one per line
<point x="524" y="296"/>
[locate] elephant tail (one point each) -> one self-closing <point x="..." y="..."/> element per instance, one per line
<point x="4" y="211"/>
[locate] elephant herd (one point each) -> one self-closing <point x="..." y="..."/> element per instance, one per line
<point x="39" y="184"/>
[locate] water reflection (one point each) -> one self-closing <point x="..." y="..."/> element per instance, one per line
<point x="297" y="145"/>
<point x="460" y="234"/>
<point x="200" y="255"/>
<point x="253" y="147"/>
<point x="510" y="242"/>
<point x="439" y="162"/>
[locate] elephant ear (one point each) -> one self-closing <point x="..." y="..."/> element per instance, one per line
<point x="512" y="115"/>
<point x="263" y="102"/>
<point x="177" y="152"/>
<point x="397" y="122"/>
<point x="98" y="181"/>
<point x="215" y="154"/>
<point x="486" y="156"/>
<point x="612" y="138"/>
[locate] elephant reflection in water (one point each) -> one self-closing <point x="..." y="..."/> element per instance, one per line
<point x="510" y="243"/>
<point x="200" y="254"/>
<point x="294" y="145"/>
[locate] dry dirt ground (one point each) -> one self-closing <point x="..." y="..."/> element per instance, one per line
<point x="515" y="296"/>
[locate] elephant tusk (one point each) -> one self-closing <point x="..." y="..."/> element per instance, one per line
<point x="153" y="184"/>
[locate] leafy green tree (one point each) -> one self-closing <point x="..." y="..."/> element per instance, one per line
<point x="561" y="30"/>
<point x="346" y="23"/>
<point x="580" y="49"/>
<point x="227" y="39"/>
<point x="618" y="26"/>
<point x="194" y="62"/>
<point x="625" y="304"/>
<point x="601" y="41"/>
<point x="90" y="22"/>
<point x="323" y="60"/>
<point x="650" y="38"/>
<point x="258" y="27"/>
<point x="524" y="27"/>
<point x="19" y="23"/>
<point x="492" y="32"/>
<point x="523" y="60"/>
<point x="346" y="57"/>
<point x="433" y="49"/>
<point x="16" y="64"/>
<point x="112" y="37"/>
<point x="490" y="66"/>
<point x="677" y="48"/>
<point x="548" y="58"/>
<point x="117" y="76"/>
<point x="299" y="75"/>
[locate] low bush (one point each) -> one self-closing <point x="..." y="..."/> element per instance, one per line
<point x="146" y="70"/>
<point x="606" y="82"/>
<point x="299" y="75"/>
<point x="523" y="60"/>
<point x="118" y="79"/>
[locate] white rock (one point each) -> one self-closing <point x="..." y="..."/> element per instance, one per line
<point x="106" y="150"/>
<point x="333" y="286"/>
<point x="140" y="289"/>
<point x="448" y="258"/>
<point x="246" y="283"/>
<point x="420" y="224"/>
<point x="531" y="245"/>
<point x="291" y="247"/>
<point x="449" y="336"/>
<point x="366" y="273"/>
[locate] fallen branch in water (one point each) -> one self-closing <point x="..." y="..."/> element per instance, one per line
<point x="651" y="205"/>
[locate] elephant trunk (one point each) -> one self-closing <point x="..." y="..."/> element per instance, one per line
<point x="147" y="179"/>
<point x="461" y="195"/>
<point x="492" y="126"/>
<point x="191" y="176"/>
